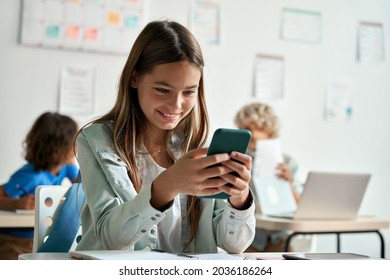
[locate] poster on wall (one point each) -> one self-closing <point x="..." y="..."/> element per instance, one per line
<point x="371" y="45"/>
<point x="301" y="25"/>
<point x="76" y="90"/>
<point x="103" y="26"/>
<point x="205" y="21"/>
<point x="268" y="77"/>
<point x="338" y="105"/>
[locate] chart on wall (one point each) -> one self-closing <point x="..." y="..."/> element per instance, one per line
<point x="103" y="26"/>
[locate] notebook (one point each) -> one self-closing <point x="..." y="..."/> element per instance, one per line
<point x="328" y="195"/>
<point x="273" y="194"/>
<point x="127" y="255"/>
<point x="148" y="255"/>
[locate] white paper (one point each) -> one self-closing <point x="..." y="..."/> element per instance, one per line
<point x="274" y="195"/>
<point x="268" y="156"/>
<point x="339" y="99"/>
<point x="371" y="46"/>
<point x="269" y="75"/>
<point x="300" y="25"/>
<point x="76" y="90"/>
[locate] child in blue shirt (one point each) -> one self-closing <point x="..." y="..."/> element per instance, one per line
<point x="50" y="159"/>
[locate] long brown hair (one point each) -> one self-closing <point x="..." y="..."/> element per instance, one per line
<point x="159" y="42"/>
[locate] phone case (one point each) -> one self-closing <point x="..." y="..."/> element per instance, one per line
<point x="227" y="140"/>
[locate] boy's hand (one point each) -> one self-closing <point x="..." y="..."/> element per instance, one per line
<point x="25" y="202"/>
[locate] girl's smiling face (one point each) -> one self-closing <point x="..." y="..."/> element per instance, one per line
<point x="168" y="93"/>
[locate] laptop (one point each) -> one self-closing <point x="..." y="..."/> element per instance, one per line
<point x="331" y="196"/>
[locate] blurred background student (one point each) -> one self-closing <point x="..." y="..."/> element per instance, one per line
<point x="262" y="121"/>
<point x="48" y="150"/>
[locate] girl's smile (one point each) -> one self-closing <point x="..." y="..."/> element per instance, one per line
<point x="168" y="93"/>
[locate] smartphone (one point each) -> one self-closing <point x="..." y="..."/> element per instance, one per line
<point x="227" y="140"/>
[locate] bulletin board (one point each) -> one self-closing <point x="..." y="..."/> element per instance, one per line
<point x="103" y="26"/>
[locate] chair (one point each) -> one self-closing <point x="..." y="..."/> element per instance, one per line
<point x="57" y="218"/>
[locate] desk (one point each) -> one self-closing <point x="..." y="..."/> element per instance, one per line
<point x="297" y="227"/>
<point x="10" y="219"/>
<point x="65" y="256"/>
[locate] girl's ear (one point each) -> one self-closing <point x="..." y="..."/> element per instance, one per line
<point x="134" y="80"/>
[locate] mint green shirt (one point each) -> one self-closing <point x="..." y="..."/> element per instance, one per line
<point x="115" y="216"/>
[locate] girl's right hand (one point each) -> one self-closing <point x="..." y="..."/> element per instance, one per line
<point x="192" y="174"/>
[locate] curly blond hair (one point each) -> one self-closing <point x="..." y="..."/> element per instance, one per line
<point x="260" y="116"/>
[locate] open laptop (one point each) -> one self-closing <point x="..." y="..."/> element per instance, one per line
<point x="328" y="195"/>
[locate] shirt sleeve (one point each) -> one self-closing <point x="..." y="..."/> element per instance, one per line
<point x="235" y="229"/>
<point x="119" y="217"/>
<point x="21" y="184"/>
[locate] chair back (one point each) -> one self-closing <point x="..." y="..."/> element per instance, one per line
<point x="57" y="218"/>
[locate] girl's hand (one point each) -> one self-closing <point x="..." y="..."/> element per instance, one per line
<point x="195" y="174"/>
<point x="241" y="165"/>
<point x="284" y="172"/>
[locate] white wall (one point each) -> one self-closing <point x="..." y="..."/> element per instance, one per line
<point x="30" y="79"/>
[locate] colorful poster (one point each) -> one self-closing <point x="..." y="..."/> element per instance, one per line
<point x="205" y="21"/>
<point x="109" y="26"/>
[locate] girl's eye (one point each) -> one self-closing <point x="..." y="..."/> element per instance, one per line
<point x="189" y="92"/>
<point x="162" y="90"/>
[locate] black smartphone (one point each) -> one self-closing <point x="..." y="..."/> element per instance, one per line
<point x="227" y="140"/>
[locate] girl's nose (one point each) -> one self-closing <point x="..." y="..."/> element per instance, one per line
<point x="175" y="100"/>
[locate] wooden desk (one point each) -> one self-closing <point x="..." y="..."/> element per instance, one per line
<point x="297" y="227"/>
<point x="10" y="219"/>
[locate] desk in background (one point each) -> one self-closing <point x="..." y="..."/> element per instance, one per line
<point x="298" y="227"/>
<point x="11" y="219"/>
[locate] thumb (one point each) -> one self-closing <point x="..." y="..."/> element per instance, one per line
<point x="196" y="153"/>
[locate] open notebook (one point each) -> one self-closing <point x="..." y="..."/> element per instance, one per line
<point x="147" y="255"/>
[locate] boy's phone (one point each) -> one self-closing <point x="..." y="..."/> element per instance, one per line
<point x="227" y="140"/>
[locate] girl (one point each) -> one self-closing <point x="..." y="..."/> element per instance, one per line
<point x="142" y="164"/>
<point x="50" y="159"/>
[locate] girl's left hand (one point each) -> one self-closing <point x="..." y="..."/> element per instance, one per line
<point x="284" y="172"/>
<point x="239" y="192"/>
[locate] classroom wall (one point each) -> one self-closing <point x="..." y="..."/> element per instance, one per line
<point x="30" y="82"/>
